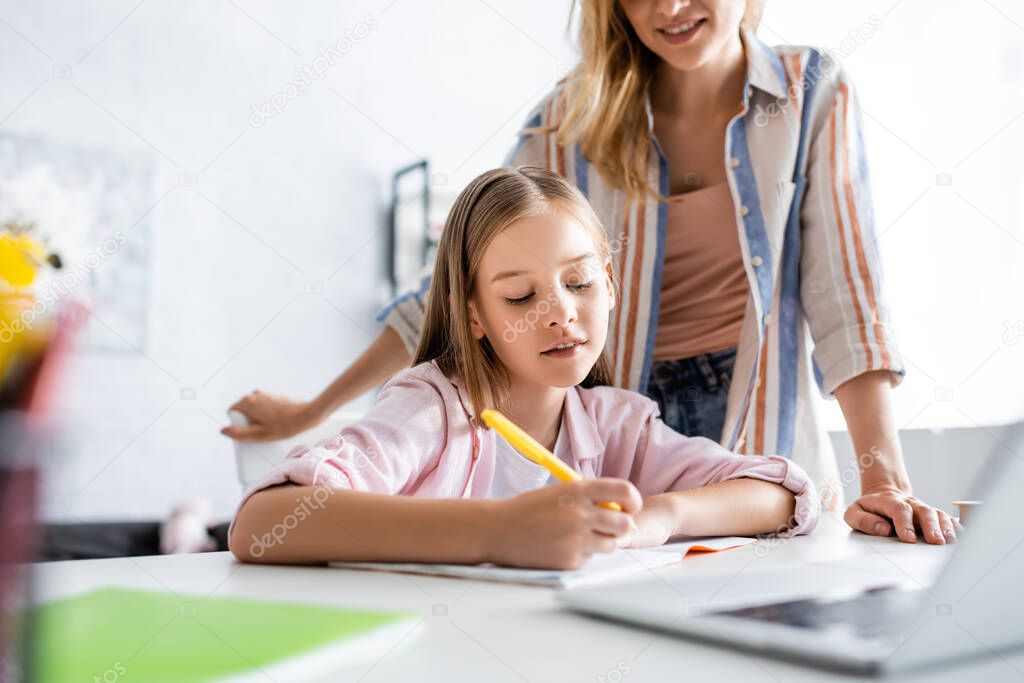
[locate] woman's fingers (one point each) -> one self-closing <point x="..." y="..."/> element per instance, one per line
<point x="868" y="522"/>
<point x="946" y="523"/>
<point x="243" y="432"/>
<point x="245" y="403"/>
<point x="878" y="513"/>
<point x="897" y="509"/>
<point x="928" y="521"/>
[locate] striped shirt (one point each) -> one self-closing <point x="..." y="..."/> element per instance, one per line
<point x="815" y="316"/>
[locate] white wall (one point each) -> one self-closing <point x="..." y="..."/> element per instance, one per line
<point x="302" y="196"/>
<point x="941" y="90"/>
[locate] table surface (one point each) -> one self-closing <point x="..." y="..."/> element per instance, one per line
<point x="480" y="631"/>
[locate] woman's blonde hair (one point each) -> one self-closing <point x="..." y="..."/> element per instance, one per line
<point x="489" y="204"/>
<point x="604" y="96"/>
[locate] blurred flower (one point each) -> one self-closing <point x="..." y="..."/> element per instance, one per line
<point x="21" y="255"/>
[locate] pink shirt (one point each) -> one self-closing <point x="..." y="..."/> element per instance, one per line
<point x="420" y="439"/>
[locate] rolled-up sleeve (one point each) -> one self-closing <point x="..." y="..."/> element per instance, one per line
<point x="668" y="461"/>
<point x="405" y="313"/>
<point x="841" y="271"/>
<point x="530" y="149"/>
<point x="386" y="450"/>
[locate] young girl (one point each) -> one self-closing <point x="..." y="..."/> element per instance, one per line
<point x="517" y="320"/>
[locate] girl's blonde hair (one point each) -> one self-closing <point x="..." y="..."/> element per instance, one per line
<point x="604" y="96"/>
<point x="489" y="204"/>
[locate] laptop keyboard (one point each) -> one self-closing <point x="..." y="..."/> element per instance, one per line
<point x="876" y="612"/>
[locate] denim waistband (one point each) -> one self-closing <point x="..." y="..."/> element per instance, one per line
<point x="713" y="369"/>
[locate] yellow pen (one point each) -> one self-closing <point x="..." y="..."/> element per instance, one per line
<point x="528" y="446"/>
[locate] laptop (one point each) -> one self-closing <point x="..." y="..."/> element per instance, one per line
<point x="862" y="615"/>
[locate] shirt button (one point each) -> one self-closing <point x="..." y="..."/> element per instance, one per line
<point x="756" y="261"/>
<point x="744" y="210"/>
<point x="734" y="162"/>
<point x="768" y="318"/>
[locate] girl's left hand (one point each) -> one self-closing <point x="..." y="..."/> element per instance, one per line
<point x="654" y="524"/>
<point x="878" y="512"/>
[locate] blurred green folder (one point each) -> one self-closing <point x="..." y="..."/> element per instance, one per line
<point x="134" y="635"/>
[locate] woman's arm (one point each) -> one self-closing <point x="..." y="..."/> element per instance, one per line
<point x="737" y="507"/>
<point x="383" y="358"/>
<point x="274" y="417"/>
<point x="551" y="527"/>
<point x="854" y="345"/>
<point x="886" y="501"/>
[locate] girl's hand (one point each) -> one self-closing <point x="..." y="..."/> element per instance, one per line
<point x="271" y="417"/>
<point x="560" y="527"/>
<point x="655" y="523"/>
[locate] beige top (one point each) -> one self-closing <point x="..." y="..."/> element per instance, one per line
<point x="703" y="286"/>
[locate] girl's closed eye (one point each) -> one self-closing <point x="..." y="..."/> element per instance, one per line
<point x="572" y="286"/>
<point x="515" y="301"/>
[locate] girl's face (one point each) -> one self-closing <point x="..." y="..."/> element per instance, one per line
<point x="541" y="286"/>
<point x="682" y="33"/>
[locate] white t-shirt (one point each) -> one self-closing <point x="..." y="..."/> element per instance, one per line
<point x="514" y="474"/>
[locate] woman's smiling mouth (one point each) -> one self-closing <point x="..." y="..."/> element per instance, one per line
<point x="682" y="31"/>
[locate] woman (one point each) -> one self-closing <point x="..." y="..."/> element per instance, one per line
<point x="732" y="176"/>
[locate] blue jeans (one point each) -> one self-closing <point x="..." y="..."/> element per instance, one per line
<point x="692" y="392"/>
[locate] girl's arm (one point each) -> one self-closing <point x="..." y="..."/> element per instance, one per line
<point x="694" y="486"/>
<point x="553" y="527"/>
<point x="304" y="524"/>
<point x="737" y="507"/>
<point x="715" y="484"/>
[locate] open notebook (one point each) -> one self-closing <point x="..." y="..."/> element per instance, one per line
<point x="156" y="636"/>
<point x="600" y="568"/>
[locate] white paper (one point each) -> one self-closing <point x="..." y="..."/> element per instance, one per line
<point x="600" y="568"/>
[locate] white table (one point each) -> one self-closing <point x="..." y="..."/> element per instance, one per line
<point x="478" y="631"/>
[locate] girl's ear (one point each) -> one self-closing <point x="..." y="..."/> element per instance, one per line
<point x="475" y="328"/>
<point x="609" y="281"/>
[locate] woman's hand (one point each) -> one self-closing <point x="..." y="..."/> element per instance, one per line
<point x="885" y="504"/>
<point x="560" y="527"/>
<point x="879" y="511"/>
<point x="272" y="417"/>
<point x="655" y="523"/>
